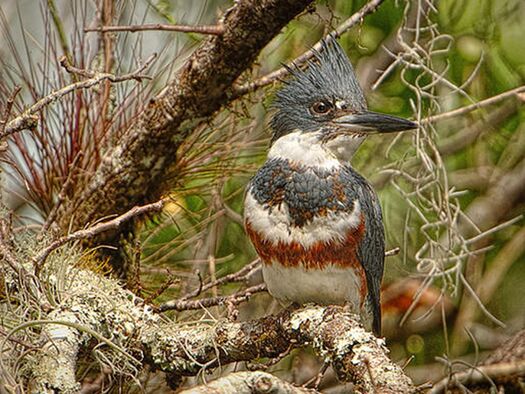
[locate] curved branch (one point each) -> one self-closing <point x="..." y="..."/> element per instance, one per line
<point x="336" y="335"/>
<point x="28" y="119"/>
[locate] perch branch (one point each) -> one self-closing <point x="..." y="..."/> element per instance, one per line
<point x="186" y="349"/>
<point x="246" y="382"/>
<point x="336" y="335"/>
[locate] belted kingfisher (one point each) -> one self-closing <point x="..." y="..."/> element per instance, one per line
<point x="314" y="221"/>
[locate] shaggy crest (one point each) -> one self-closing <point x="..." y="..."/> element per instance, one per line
<point x="328" y="76"/>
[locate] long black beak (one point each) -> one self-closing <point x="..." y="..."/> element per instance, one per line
<point x="374" y="122"/>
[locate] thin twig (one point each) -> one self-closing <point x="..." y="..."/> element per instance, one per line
<point x="316" y="380"/>
<point x="97" y="229"/>
<point x="356" y="18"/>
<point x="202" y="29"/>
<point x="481" y="374"/>
<point x="136" y="75"/>
<point x="257" y="366"/>
<point x="8" y="108"/>
<point x="134" y="283"/>
<point x="234" y="277"/>
<point x="63" y="192"/>
<point x="28" y="119"/>
<point x="473" y="107"/>
<point x="165" y="286"/>
<point x="235" y="299"/>
<point x="392" y="252"/>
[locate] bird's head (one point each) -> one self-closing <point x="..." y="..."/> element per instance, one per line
<point x="324" y="103"/>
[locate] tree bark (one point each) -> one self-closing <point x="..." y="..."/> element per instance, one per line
<point x="256" y="382"/>
<point x="131" y="173"/>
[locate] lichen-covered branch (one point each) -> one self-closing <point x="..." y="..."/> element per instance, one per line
<point x="57" y="367"/>
<point x="89" y="313"/>
<point x="248" y="383"/>
<point x="336" y="336"/>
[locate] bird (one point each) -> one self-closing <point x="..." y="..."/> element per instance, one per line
<point x="314" y="221"/>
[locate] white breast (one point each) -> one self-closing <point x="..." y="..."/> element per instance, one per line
<point x="275" y="224"/>
<point x="331" y="285"/>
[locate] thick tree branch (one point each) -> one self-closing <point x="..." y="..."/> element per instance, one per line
<point x="336" y="335"/>
<point x="132" y="172"/>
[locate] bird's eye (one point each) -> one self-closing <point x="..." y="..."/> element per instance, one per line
<point x="321" y="108"/>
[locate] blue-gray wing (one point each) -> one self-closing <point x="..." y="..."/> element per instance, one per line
<point x="371" y="250"/>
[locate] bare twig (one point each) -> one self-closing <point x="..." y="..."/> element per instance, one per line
<point x="28" y="119"/>
<point x="468" y="135"/>
<point x="91" y="232"/>
<point x="483" y="373"/>
<point x="469" y="108"/>
<point x="234" y="277"/>
<point x="392" y="252"/>
<point x="134" y="282"/>
<point x="356" y="18"/>
<point x="274" y="360"/>
<point x="163" y="287"/>
<point x="63" y="192"/>
<point x="235" y="299"/>
<point x="8" y="108"/>
<point x="136" y="75"/>
<point x="203" y="29"/>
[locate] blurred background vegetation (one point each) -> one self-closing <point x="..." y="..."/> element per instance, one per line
<point x="414" y="59"/>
